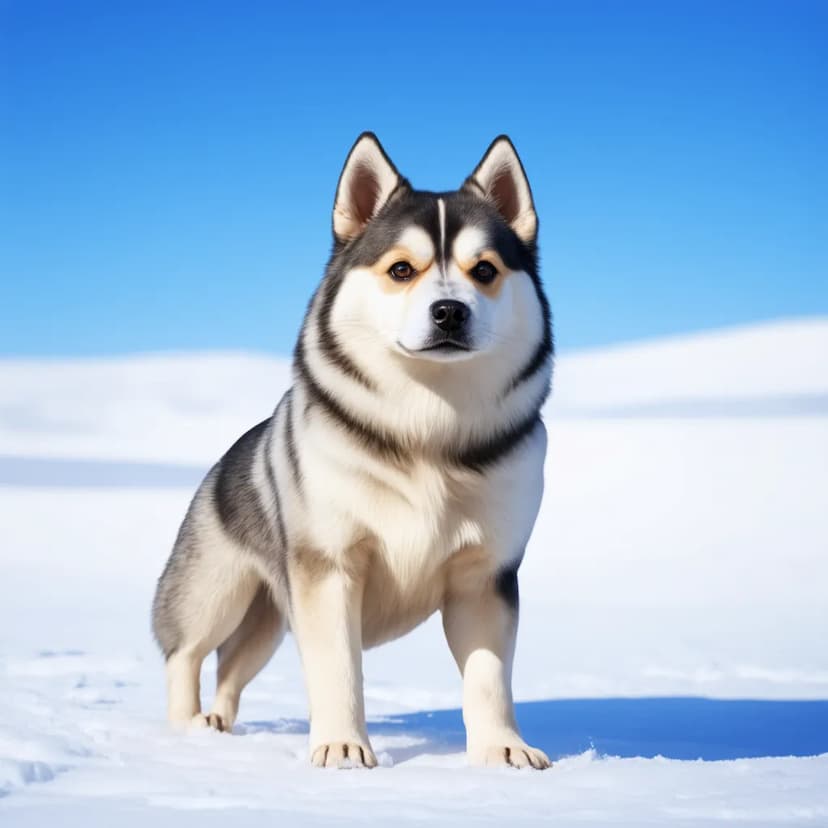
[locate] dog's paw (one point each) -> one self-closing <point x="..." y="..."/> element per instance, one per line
<point x="343" y="755"/>
<point x="212" y="720"/>
<point x="516" y="755"/>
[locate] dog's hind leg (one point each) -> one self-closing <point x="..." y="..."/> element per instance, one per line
<point x="202" y="598"/>
<point x="206" y="620"/>
<point x="244" y="653"/>
<point x="228" y="547"/>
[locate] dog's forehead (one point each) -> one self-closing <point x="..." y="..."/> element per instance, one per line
<point x="443" y="226"/>
<point x="473" y="223"/>
<point x="460" y="225"/>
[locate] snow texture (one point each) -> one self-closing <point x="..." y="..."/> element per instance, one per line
<point x="678" y="568"/>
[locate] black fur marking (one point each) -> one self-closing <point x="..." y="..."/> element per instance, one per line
<point x="271" y="479"/>
<point x="404" y="208"/>
<point x="290" y="442"/>
<point x="329" y="343"/>
<point x="381" y="443"/>
<point x="542" y="354"/>
<point x="465" y="209"/>
<point x="485" y="453"/>
<point x="236" y="497"/>
<point x="546" y="347"/>
<point x="476" y="456"/>
<point x="506" y="586"/>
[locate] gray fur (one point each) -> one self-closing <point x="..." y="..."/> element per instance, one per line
<point x="175" y="578"/>
<point x="230" y="493"/>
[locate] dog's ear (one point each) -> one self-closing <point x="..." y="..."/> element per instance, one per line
<point x="501" y="179"/>
<point x="367" y="182"/>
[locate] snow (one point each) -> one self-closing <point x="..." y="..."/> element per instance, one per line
<point x="680" y="552"/>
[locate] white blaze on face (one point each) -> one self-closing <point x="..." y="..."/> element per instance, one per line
<point x="441" y="212"/>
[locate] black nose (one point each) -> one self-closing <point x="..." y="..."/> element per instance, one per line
<point x="449" y="315"/>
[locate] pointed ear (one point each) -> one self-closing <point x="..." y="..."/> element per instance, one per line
<point x="367" y="181"/>
<point x="500" y="178"/>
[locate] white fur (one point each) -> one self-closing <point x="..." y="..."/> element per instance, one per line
<point x="441" y="214"/>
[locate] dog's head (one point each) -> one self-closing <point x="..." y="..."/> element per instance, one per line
<point x="436" y="277"/>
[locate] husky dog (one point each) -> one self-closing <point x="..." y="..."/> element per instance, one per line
<point x="401" y="474"/>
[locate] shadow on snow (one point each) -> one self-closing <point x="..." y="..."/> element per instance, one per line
<point x="676" y="728"/>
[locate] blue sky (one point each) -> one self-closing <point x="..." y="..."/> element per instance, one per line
<point x="167" y="169"/>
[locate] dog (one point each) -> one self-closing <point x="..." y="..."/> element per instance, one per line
<point x="401" y="473"/>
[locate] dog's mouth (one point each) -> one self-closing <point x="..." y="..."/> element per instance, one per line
<point x="447" y="348"/>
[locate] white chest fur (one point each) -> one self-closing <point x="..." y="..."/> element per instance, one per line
<point x="419" y="513"/>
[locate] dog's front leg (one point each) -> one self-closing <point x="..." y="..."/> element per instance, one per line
<point x="480" y="620"/>
<point x="326" y="618"/>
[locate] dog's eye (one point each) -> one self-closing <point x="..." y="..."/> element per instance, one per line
<point x="401" y="271"/>
<point x="484" y="272"/>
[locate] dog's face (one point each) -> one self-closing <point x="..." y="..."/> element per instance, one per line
<point x="440" y="277"/>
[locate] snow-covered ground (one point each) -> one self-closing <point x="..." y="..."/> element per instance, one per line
<point x="682" y="550"/>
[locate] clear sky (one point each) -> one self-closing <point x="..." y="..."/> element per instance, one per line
<point x="167" y="168"/>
